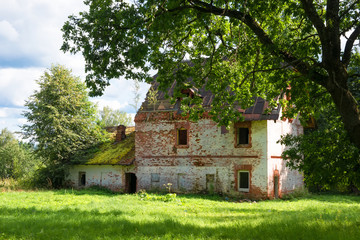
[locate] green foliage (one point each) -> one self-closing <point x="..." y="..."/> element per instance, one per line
<point x="61" y="121"/>
<point x="236" y="49"/>
<point x="110" y="117"/>
<point x="328" y="160"/>
<point x="92" y="214"/>
<point x="152" y="96"/>
<point x="169" y="197"/>
<point x="17" y="159"/>
<point x="8" y="149"/>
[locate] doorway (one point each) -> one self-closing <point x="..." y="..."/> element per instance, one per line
<point x="130" y="183"/>
<point x="276" y="186"/>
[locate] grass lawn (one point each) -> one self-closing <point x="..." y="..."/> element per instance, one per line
<point x="100" y="215"/>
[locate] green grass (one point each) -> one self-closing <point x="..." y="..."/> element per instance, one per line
<point x="102" y="215"/>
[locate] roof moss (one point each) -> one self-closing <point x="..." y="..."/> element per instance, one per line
<point x="112" y="153"/>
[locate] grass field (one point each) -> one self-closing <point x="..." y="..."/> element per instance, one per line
<point x="101" y="215"/>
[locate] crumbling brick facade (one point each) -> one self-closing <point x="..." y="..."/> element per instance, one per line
<point x="212" y="160"/>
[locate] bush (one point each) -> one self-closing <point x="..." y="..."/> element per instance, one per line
<point x="169" y="197"/>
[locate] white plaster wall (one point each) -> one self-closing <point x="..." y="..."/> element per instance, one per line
<point x="109" y="176"/>
<point x="209" y="152"/>
<point x="289" y="179"/>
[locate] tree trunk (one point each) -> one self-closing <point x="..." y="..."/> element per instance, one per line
<point x="346" y="106"/>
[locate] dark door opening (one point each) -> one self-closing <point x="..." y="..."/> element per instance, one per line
<point x="276" y="186"/>
<point x="130" y="181"/>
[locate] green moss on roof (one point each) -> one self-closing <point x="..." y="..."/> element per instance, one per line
<point x="113" y="153"/>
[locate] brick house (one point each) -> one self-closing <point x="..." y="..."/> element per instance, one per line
<point x="244" y="159"/>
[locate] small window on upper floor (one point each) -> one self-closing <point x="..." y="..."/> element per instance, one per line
<point x="182" y="136"/>
<point x="243" y="134"/>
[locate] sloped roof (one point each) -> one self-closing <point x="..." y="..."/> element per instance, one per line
<point x="255" y="112"/>
<point x="111" y="153"/>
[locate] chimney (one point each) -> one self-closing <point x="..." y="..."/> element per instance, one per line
<point x="120" y="133"/>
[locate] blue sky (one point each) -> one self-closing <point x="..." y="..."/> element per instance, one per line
<point x="30" y="39"/>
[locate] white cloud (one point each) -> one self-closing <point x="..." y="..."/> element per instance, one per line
<point x="3" y="113"/>
<point x="17" y="85"/>
<point x="8" y="31"/>
<point x="37" y="24"/>
<point x="30" y="41"/>
<point x="113" y="104"/>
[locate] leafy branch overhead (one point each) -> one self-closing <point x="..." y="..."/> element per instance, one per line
<point x="240" y="49"/>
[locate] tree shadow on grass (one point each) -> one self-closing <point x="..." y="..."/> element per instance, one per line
<point x="32" y="223"/>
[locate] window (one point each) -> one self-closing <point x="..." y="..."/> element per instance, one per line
<point x="182" y="136"/>
<point x="243" y="134"/>
<point x="155" y="177"/>
<point x="244" y="181"/>
<point x="82" y="178"/>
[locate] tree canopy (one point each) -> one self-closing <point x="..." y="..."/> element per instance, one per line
<point x="240" y="49"/>
<point x="61" y="120"/>
<point x="17" y="159"/>
<point x="326" y="157"/>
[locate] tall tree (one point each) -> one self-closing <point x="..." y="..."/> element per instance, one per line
<point x="110" y="117"/>
<point x="61" y="120"/>
<point x="239" y="48"/>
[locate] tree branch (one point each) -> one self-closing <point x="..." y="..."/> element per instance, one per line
<point x="349" y="45"/>
<point x="311" y="13"/>
<point x="264" y="38"/>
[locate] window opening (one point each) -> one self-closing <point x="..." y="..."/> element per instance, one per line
<point x="155" y="177"/>
<point x="243" y="136"/>
<point x="244" y="181"/>
<point x="182" y="136"/>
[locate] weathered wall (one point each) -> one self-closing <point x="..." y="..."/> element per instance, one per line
<point x="109" y="176"/>
<point x="209" y="162"/>
<point x="287" y="179"/>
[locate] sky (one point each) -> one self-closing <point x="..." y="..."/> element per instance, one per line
<point x="30" y="41"/>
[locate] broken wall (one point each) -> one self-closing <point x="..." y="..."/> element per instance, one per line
<point x="209" y="162"/>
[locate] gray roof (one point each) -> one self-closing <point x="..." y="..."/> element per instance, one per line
<point x="255" y="112"/>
